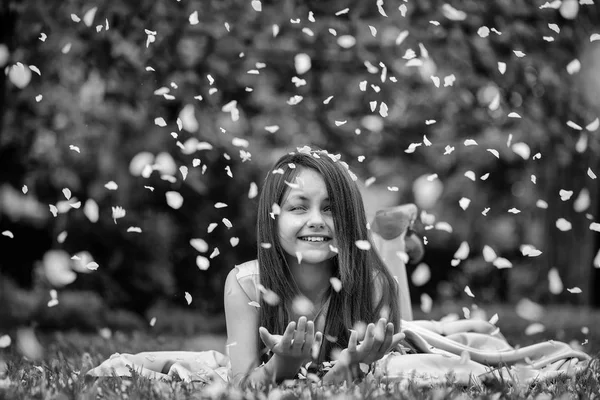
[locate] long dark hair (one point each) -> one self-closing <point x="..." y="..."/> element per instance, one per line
<point x="354" y="267"/>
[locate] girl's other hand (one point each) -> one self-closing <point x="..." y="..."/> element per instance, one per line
<point x="379" y="339"/>
<point x="296" y="342"/>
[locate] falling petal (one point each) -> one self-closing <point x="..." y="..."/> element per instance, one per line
<point x="469" y="292"/>
<point x="502" y="263"/>
<point x="363" y="244"/>
<point x="28" y="344"/>
<point x="554" y="281"/>
<point x="502" y="67"/>
<point x="174" y="199"/>
<point x="194" y="18"/>
<point x="522" y="149"/>
<point x="421" y="275"/>
<point x="90" y="210"/>
<point x="592" y="126"/>
<point x="256" y="5"/>
<point x="302" y="63"/>
<point x="529" y="310"/>
<point x="489" y="255"/>
<point x="494" y="319"/>
<point x="565" y="194"/>
<point x="534" y="329"/>
<point x="563" y="225"/>
<point x="4" y="341"/>
<point x="583" y="201"/>
<point x="494" y="152"/>
<point x="111" y="185"/>
<point x="462" y="252"/>
<point x="464" y="203"/>
<point x="199" y="244"/>
<point x="57" y="268"/>
<point x="202" y="262"/>
<point x="88" y="17"/>
<point x="573" y="67"/>
<point x="569" y="9"/>
<point x="426" y="303"/>
<point x="336" y="284"/>
<point x="92" y="266"/>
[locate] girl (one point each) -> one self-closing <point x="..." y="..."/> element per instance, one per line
<point x="318" y="279"/>
<point x="316" y="265"/>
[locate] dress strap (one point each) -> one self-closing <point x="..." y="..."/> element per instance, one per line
<point x="248" y="278"/>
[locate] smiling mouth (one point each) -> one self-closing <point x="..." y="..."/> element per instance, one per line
<point x="315" y="239"/>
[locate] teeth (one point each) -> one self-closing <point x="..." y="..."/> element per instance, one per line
<point x="313" y="239"/>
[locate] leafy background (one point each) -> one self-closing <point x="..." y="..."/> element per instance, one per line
<point x="105" y="86"/>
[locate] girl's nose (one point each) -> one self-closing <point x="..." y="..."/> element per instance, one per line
<point x="316" y="220"/>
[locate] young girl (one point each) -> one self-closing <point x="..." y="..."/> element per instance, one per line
<point x="316" y="289"/>
<point x="317" y="278"/>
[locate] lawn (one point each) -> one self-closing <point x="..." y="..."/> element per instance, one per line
<point x="59" y="374"/>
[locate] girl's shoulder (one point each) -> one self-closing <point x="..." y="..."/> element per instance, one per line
<point x="248" y="278"/>
<point x="246" y="269"/>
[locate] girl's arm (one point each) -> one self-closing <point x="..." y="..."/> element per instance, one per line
<point x="242" y="340"/>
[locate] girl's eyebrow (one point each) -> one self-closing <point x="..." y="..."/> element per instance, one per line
<point x="303" y="197"/>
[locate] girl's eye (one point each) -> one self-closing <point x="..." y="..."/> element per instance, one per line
<point x="296" y="208"/>
<point x="327" y="209"/>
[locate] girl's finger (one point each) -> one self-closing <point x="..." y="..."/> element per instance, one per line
<point x="310" y="335"/>
<point x="316" y="346"/>
<point x="389" y="336"/>
<point x="396" y="339"/>
<point x="267" y="338"/>
<point x="352" y="341"/>
<point x="299" y="334"/>
<point x="288" y="335"/>
<point x="310" y="329"/>
<point x="367" y="344"/>
<point x="380" y="330"/>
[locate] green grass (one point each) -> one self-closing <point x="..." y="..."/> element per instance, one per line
<point x="68" y="355"/>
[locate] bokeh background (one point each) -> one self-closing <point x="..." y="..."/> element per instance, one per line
<point x="126" y="127"/>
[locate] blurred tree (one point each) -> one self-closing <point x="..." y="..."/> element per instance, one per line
<point x="223" y="90"/>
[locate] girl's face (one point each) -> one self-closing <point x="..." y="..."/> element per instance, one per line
<point x="305" y="224"/>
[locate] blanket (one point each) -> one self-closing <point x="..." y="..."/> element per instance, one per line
<point x="468" y="351"/>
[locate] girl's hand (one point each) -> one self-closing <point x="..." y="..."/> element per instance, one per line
<point x="297" y="340"/>
<point x="379" y="339"/>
